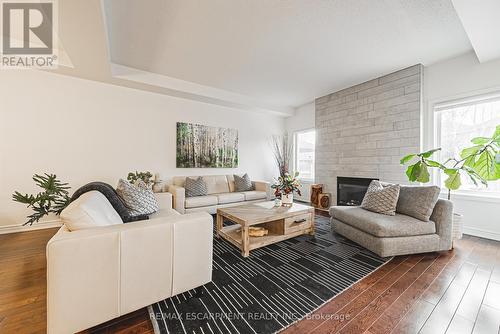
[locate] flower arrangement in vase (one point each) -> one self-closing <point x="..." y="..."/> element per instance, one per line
<point x="285" y="186"/>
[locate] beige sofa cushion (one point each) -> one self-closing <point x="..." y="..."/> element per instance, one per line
<point x="92" y="209"/>
<point x="198" y="201"/>
<point x="216" y="184"/>
<point x="382" y="225"/>
<point x="230" y="198"/>
<point x="254" y="195"/>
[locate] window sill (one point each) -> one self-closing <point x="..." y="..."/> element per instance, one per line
<point x="469" y="196"/>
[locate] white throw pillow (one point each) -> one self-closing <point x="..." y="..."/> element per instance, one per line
<point x="91" y="209"/>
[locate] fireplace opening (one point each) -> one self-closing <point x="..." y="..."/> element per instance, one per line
<point x="351" y="190"/>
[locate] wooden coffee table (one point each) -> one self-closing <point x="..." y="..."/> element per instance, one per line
<point x="281" y="222"/>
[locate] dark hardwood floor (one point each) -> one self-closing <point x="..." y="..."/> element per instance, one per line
<point x="449" y="292"/>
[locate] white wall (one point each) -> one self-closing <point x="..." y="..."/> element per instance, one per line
<point x="87" y="131"/>
<point x="302" y="120"/>
<point x="457" y="78"/>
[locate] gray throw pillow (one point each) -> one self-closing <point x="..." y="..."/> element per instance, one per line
<point x="418" y="201"/>
<point x="242" y="183"/>
<point x="139" y="198"/>
<point x="381" y="198"/>
<point x="195" y="187"/>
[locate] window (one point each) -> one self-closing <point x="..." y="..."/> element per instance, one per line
<point x="304" y="142"/>
<point x="458" y="122"/>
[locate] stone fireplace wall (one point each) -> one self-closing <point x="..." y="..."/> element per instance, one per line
<point x="364" y="130"/>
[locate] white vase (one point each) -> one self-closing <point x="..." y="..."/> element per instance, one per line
<point x="287" y="199"/>
<point x="458" y="226"/>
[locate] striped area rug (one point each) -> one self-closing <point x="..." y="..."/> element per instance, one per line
<point x="271" y="289"/>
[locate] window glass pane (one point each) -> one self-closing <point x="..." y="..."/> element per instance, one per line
<point x="304" y="160"/>
<point x="458" y="125"/>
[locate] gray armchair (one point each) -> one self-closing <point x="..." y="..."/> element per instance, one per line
<point x="395" y="235"/>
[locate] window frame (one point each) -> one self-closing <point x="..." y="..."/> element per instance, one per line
<point x="296" y="155"/>
<point x="434" y="137"/>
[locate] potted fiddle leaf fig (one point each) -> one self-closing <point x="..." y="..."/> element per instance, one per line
<point x="479" y="162"/>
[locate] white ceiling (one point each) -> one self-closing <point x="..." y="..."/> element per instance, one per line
<point x="480" y="20"/>
<point x="281" y="53"/>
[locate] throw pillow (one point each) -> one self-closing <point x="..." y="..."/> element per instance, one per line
<point x="381" y="198"/>
<point x="418" y="201"/>
<point x="138" y="198"/>
<point x="242" y="183"/>
<point x="113" y="198"/>
<point x="195" y="187"/>
<point x="89" y="210"/>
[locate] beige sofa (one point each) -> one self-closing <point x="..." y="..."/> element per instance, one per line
<point x="221" y="193"/>
<point x="100" y="273"/>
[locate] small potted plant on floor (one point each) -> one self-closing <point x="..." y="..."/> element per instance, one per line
<point x="53" y="198"/>
<point x="285" y="186"/>
<point x="480" y="162"/>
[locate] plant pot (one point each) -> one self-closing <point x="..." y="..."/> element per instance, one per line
<point x="287" y="199"/>
<point x="458" y="226"/>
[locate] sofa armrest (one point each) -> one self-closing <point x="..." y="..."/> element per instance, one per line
<point x="179" y="197"/>
<point x="442" y="216"/>
<point x="263" y="186"/>
<point x="164" y="200"/>
<point x="192" y="251"/>
<point x="97" y="274"/>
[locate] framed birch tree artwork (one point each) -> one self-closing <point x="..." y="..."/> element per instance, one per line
<point x="200" y="146"/>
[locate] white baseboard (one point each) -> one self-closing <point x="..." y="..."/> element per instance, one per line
<point x="35" y="226"/>
<point x="477" y="232"/>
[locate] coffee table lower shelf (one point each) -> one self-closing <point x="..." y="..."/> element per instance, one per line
<point x="233" y="234"/>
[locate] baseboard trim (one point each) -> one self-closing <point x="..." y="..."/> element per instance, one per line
<point x="477" y="232"/>
<point x="36" y="226"/>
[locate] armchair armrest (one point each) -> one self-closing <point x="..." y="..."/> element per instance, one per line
<point x="179" y="197"/>
<point x="164" y="200"/>
<point x="442" y="216"/>
<point x="263" y="186"/>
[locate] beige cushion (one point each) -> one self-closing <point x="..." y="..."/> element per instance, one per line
<point x="216" y="184"/>
<point x="195" y="202"/>
<point x="381" y="198"/>
<point x="382" y="225"/>
<point x="254" y="195"/>
<point x="230" y="181"/>
<point x="230" y="198"/>
<point x="90" y="210"/>
<point x="417" y="201"/>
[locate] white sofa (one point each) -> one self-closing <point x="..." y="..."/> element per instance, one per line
<point x="100" y="273"/>
<point x="221" y="193"/>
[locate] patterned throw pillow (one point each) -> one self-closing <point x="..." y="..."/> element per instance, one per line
<point x="138" y="198"/>
<point x="242" y="183"/>
<point x="195" y="187"/>
<point x="381" y="199"/>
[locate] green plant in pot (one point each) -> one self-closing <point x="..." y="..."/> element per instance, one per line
<point x="53" y="199"/>
<point x="146" y="177"/>
<point x="480" y="163"/>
